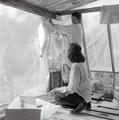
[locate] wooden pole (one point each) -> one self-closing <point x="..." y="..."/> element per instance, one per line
<point x="111" y="51"/>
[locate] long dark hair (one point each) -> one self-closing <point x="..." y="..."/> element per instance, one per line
<point x="74" y="53"/>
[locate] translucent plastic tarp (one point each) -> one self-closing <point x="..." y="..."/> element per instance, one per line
<point x="21" y="67"/>
<point x="97" y="43"/>
<point x="115" y="45"/>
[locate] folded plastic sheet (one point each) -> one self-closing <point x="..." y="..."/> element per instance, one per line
<point x="110" y="14"/>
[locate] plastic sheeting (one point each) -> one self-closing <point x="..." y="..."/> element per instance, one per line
<point x="115" y="45"/>
<point x="23" y="71"/>
<point x="97" y="43"/>
<point x="110" y="14"/>
<point x="20" y="63"/>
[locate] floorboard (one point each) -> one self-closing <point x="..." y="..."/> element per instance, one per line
<point x="97" y="112"/>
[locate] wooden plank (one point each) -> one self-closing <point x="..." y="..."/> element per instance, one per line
<point x="79" y="3"/>
<point x="2" y="117"/>
<point x="99" y="114"/>
<point x="102" y="113"/>
<point x="87" y="10"/>
<point x="26" y="6"/>
<point x="95" y="112"/>
<point x="68" y="5"/>
<point x="111" y="108"/>
<point x="109" y="33"/>
<point x="56" y="3"/>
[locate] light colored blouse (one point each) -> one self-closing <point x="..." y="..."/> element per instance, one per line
<point x="78" y="82"/>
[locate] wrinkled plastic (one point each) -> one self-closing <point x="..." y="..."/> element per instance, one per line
<point x="21" y="67"/>
<point x="97" y="43"/>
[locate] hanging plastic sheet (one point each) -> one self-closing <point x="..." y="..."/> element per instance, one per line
<point x="115" y="45"/>
<point x="97" y="43"/>
<point x="21" y="67"/>
<point x="110" y="14"/>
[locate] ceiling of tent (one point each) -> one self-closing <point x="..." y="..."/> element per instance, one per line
<point x="46" y="7"/>
<point x="50" y="8"/>
<point x="60" y="5"/>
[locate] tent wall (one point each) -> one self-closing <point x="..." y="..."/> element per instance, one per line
<point x="97" y="42"/>
<point x="19" y="61"/>
<point x="115" y="43"/>
<point x="102" y="43"/>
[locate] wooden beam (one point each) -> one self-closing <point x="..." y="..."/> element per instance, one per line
<point x="80" y="3"/>
<point x="111" y="51"/>
<point x="56" y="3"/>
<point x="86" y="10"/>
<point x="76" y="3"/>
<point x="26" y="6"/>
<point x="101" y="71"/>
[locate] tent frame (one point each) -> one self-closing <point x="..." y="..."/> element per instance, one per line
<point x="26" y="6"/>
<point x="86" y="10"/>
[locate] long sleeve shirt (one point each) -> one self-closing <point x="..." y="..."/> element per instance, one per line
<point x="78" y="82"/>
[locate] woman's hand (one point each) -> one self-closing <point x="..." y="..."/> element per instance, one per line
<point x="58" y="92"/>
<point x="55" y="91"/>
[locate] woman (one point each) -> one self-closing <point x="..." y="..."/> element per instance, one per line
<point x="77" y="94"/>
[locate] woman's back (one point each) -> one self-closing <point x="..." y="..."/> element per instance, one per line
<point x="83" y="83"/>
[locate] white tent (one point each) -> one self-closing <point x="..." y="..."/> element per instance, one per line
<point x="19" y="42"/>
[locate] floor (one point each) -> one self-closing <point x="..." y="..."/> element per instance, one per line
<point x="100" y="111"/>
<point x="50" y="111"/>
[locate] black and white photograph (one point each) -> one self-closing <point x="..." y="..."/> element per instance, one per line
<point x="59" y="60"/>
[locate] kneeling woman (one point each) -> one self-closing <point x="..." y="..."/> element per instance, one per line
<point x="77" y="94"/>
